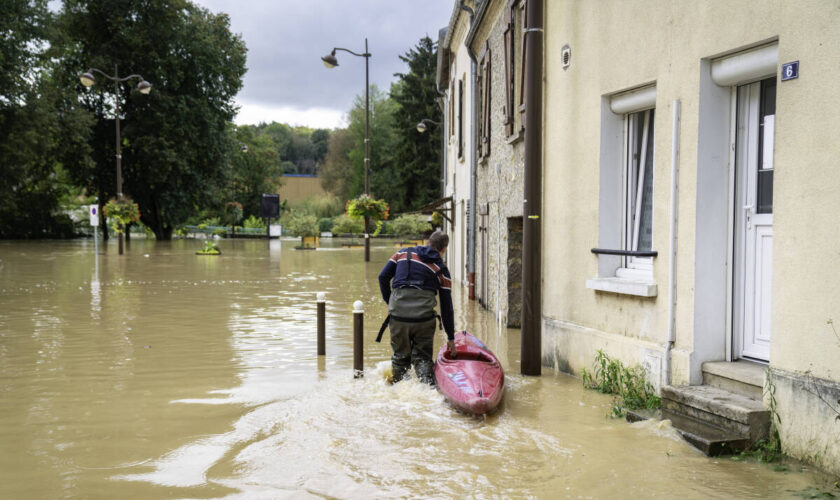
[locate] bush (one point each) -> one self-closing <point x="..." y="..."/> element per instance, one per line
<point x="302" y="225"/>
<point x="346" y="224"/>
<point x="632" y="390"/>
<point x="254" y="222"/>
<point x="409" y="225"/>
<point x="211" y="221"/>
<point x="325" y="224"/>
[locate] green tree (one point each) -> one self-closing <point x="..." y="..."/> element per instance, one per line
<point x="175" y="141"/>
<point x="35" y="112"/>
<point x="382" y="168"/>
<point x="256" y="171"/>
<point x="416" y="155"/>
<point x="336" y="172"/>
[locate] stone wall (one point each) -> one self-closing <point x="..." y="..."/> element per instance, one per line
<point x="499" y="182"/>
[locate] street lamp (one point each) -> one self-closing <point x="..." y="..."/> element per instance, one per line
<point x="330" y="61"/>
<point x="421" y="127"/>
<point x="143" y="87"/>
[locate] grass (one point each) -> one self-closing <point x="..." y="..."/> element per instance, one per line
<point x="628" y="384"/>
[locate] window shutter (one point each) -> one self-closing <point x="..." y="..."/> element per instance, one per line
<point x="522" y="69"/>
<point x="460" y="118"/>
<point x="509" y="78"/>
<point x="488" y="78"/>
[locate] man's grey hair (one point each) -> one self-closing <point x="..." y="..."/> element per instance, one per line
<point x="439" y="240"/>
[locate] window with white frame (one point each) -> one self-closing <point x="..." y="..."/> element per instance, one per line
<point x="625" y="204"/>
<point x="638" y="191"/>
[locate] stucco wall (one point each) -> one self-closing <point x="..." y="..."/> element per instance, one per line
<point x="458" y="168"/>
<point x="621" y="45"/>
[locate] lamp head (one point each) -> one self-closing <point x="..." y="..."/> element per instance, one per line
<point x="329" y="60"/>
<point x="144" y="87"/>
<point x="244" y="148"/>
<point x="87" y="79"/>
<point x="421" y="127"/>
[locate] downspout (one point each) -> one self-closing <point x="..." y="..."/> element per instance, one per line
<point x="672" y="270"/>
<point x="531" y="354"/>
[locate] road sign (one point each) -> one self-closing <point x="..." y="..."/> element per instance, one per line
<point x="93" y="210"/>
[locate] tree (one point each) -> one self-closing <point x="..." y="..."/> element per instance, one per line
<point x="416" y="155"/>
<point x="35" y="111"/>
<point x="382" y="173"/>
<point x="175" y="140"/>
<point x="256" y="171"/>
<point x="336" y="171"/>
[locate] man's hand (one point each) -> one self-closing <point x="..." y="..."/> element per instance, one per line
<point x="450" y="344"/>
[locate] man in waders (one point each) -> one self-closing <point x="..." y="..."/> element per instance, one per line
<point x="418" y="274"/>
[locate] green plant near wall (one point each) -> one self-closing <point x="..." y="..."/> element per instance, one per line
<point x="121" y="213"/>
<point x="253" y="222"/>
<point x="628" y="384"/>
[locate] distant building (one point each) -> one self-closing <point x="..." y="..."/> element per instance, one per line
<point x="297" y="187"/>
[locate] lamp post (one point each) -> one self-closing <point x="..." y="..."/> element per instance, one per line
<point x="143" y="87"/>
<point x="331" y="62"/>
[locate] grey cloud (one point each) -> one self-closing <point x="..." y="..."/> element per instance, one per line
<point x="286" y="40"/>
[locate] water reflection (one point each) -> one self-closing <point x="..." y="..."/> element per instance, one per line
<point x="164" y="374"/>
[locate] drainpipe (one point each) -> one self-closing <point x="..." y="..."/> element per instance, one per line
<point x="473" y="160"/>
<point x="672" y="271"/>
<point x="532" y="205"/>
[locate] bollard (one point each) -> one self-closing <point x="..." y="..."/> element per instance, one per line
<point x="358" y="337"/>
<point x="322" y="308"/>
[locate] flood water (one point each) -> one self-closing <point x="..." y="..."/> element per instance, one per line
<point x="162" y="374"/>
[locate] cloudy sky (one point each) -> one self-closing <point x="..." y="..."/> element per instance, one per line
<point x="286" y="80"/>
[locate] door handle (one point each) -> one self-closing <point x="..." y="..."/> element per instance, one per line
<point x="748" y="209"/>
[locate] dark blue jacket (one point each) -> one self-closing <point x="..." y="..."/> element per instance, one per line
<point x="426" y="272"/>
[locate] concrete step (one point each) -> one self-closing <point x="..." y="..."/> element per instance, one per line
<point x="725" y="410"/>
<point x="707" y="438"/>
<point x="741" y="377"/>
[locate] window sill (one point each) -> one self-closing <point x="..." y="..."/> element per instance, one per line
<point x="516" y="136"/>
<point x="623" y="286"/>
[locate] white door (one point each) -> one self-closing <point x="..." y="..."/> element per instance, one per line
<point x="753" y="238"/>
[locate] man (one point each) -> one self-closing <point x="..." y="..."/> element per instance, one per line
<point x="418" y="274"/>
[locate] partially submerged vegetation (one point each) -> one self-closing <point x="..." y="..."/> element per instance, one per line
<point x="628" y="384"/>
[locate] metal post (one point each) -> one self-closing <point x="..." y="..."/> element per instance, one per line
<point x="358" y="338"/>
<point x="367" y="145"/>
<point x="322" y="307"/>
<point x="119" y="149"/>
<point x="531" y="361"/>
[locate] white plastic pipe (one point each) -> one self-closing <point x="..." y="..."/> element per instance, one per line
<point x="672" y="247"/>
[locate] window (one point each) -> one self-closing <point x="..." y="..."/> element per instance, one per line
<point x="625" y="199"/>
<point x="452" y="108"/>
<point x="484" y="84"/>
<point x="460" y="119"/>
<point x="638" y="192"/>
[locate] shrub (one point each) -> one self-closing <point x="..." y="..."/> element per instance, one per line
<point x="211" y="221"/>
<point x="632" y="390"/>
<point x="121" y="213"/>
<point x="254" y="222"/>
<point x="412" y="224"/>
<point x="325" y="224"/>
<point x="302" y="225"/>
<point x="346" y="224"/>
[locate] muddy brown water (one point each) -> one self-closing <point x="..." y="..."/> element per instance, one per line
<point x="162" y="374"/>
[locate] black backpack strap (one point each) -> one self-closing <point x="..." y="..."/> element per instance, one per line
<point x="383" y="327"/>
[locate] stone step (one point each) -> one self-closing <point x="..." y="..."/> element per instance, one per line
<point x="707" y="438"/>
<point x="741" y="377"/>
<point x="731" y="412"/>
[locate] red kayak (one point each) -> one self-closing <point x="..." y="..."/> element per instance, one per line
<point x="473" y="382"/>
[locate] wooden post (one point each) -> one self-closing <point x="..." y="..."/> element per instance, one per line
<point x="358" y="338"/>
<point x="322" y="306"/>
